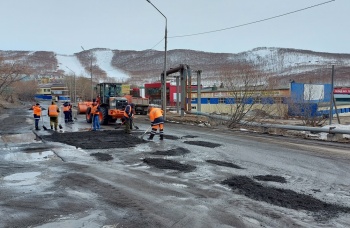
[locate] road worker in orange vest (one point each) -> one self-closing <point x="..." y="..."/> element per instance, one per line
<point x="66" y="112"/>
<point x="95" y="111"/>
<point x="157" y="121"/>
<point x="53" y="112"/>
<point x="37" y="114"/>
<point x="128" y="114"/>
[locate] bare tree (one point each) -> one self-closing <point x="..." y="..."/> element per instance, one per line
<point x="245" y="85"/>
<point x="83" y="88"/>
<point x="12" y="71"/>
<point x="25" y="90"/>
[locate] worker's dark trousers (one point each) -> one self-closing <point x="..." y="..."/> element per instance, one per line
<point x="36" y="120"/>
<point x="127" y="126"/>
<point x="66" y="116"/>
<point x="70" y="116"/>
<point x="131" y="123"/>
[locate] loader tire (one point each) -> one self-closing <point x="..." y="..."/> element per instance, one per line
<point x="105" y="117"/>
<point x="88" y="115"/>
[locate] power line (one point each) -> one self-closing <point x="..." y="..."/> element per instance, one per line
<point x="157" y="44"/>
<point x="250" y="23"/>
<point x="152" y="47"/>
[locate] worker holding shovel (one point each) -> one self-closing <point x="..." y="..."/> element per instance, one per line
<point x="128" y="114"/>
<point x="53" y="112"/>
<point x="157" y="121"/>
<point x="37" y="114"/>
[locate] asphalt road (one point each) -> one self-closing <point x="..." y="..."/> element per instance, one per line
<point x="196" y="177"/>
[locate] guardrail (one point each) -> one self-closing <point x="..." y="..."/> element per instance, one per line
<point x="330" y="130"/>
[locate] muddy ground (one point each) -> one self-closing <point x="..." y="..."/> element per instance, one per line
<point x="110" y="147"/>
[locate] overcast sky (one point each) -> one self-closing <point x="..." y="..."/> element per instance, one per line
<point x="63" y="26"/>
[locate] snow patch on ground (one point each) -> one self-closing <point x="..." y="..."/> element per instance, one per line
<point x="323" y="135"/>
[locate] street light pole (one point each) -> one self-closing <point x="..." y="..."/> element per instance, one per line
<point x="92" y="86"/>
<point x="163" y="76"/>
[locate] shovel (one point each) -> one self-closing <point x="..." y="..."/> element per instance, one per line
<point x="92" y="122"/>
<point x="136" y="127"/>
<point x="141" y="137"/>
<point x="119" y="126"/>
<point x="42" y="120"/>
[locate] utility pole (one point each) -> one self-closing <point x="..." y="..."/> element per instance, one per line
<point x="163" y="76"/>
<point x="331" y="101"/>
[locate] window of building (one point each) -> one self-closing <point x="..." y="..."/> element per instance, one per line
<point x="221" y="100"/>
<point x="278" y="100"/>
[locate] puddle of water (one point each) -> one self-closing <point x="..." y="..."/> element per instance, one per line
<point x="22" y="179"/>
<point x="145" y="147"/>
<point x="22" y="176"/>
<point x="29" y="157"/>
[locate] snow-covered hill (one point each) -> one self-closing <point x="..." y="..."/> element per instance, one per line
<point x="140" y="67"/>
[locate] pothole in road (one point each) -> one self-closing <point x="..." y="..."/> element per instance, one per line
<point x="172" y="137"/>
<point x="189" y="136"/>
<point x="223" y="163"/>
<point x="203" y="143"/>
<point x="36" y="150"/>
<point x="283" y="197"/>
<point x="179" y="151"/>
<point x="270" y="178"/>
<point x="102" y="156"/>
<point x="96" y="139"/>
<point x="168" y="164"/>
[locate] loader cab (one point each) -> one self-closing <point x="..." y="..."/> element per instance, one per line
<point x="107" y="90"/>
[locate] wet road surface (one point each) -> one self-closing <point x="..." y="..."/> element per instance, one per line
<point x="196" y="177"/>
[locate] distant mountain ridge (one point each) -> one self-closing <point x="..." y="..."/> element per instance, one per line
<point x="140" y="67"/>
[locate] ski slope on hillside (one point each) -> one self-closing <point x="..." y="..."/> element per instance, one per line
<point x="104" y="59"/>
<point x="71" y="65"/>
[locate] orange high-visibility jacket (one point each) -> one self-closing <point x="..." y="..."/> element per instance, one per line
<point x="36" y="110"/>
<point x="53" y="110"/>
<point x="65" y="108"/>
<point x="94" y="110"/>
<point x="155" y="113"/>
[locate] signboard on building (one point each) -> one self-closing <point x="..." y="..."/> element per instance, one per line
<point x="342" y="91"/>
<point x="125" y="89"/>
